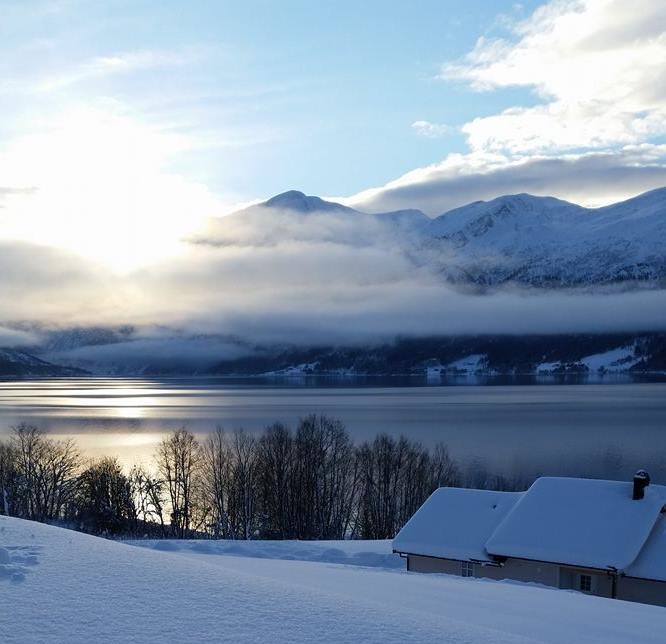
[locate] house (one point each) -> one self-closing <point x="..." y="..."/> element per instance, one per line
<point x="605" y="538"/>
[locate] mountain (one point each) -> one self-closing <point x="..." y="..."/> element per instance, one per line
<point x="575" y="355"/>
<point x="294" y="215"/>
<point x="580" y="356"/>
<point x="537" y="243"/>
<point x="546" y="242"/>
<point x="297" y="201"/>
<point x="522" y="239"/>
<point x="19" y="363"/>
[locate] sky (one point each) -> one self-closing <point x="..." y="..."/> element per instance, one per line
<point x="128" y="124"/>
<point x="254" y="87"/>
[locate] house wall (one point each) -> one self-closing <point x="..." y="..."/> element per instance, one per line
<point x="515" y="569"/>
<point x="417" y="563"/>
<point x="642" y="590"/>
<point x="602" y="583"/>
<point x="519" y="570"/>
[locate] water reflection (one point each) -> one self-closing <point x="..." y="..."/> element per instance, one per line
<point x="599" y="430"/>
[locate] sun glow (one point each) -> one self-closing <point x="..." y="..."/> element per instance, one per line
<point x="98" y="185"/>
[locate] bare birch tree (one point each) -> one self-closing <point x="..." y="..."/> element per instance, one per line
<point x="178" y="459"/>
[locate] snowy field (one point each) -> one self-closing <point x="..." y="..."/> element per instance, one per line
<point x="62" y="586"/>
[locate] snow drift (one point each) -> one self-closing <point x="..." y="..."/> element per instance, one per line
<point x="62" y="586"/>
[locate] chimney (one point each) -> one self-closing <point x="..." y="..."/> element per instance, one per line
<point x="641" y="481"/>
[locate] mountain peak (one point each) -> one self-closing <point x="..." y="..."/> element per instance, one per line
<point x="300" y="202"/>
<point x="526" y="201"/>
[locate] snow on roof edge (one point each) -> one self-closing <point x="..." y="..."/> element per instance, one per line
<point x="454" y="523"/>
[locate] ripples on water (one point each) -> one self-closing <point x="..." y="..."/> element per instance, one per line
<point x="604" y="430"/>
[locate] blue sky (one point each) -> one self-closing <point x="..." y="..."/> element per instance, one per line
<point x="318" y="96"/>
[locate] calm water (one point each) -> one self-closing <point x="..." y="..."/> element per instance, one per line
<point x="596" y="430"/>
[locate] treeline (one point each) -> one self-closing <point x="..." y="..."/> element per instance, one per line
<point x="309" y="483"/>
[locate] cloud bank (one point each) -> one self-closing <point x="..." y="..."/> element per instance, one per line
<point x="597" y="69"/>
<point x="291" y="279"/>
<point x="591" y="179"/>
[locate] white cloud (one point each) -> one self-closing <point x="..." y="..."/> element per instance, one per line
<point x="598" y="66"/>
<point x="16" y="338"/>
<point x="598" y="71"/>
<point x="431" y="130"/>
<point x="299" y="292"/>
<point x="589" y="179"/>
<point x="120" y="63"/>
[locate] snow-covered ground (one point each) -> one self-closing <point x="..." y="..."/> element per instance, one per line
<point x="613" y="361"/>
<point x="620" y="359"/>
<point x="375" y="554"/>
<point x="61" y="586"/>
<point x="469" y="365"/>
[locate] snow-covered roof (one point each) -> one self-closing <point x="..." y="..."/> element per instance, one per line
<point x="454" y="523"/>
<point x="651" y="562"/>
<point x="581" y="522"/>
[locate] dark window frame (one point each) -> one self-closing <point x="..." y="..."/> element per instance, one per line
<point x="585" y="583"/>
<point x="467" y="568"/>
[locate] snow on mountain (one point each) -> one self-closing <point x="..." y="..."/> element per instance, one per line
<point x="542" y="241"/>
<point x="500" y="217"/>
<point x="19" y="363"/>
<point x="414" y="219"/>
<point x="469" y="365"/>
<point x="293" y="216"/>
<point x="619" y="360"/>
<point x="536" y="241"/>
<point x="61" y="586"/>
<point x="297" y="201"/>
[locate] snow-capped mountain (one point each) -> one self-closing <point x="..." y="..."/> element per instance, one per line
<point x="297" y="201"/>
<point x="19" y="363"/>
<point x="535" y="241"/>
<point x="293" y="216"/>
<point x="542" y="241"/>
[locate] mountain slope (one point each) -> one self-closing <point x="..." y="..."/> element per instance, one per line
<point x="534" y="241"/>
<point x="582" y="355"/>
<point x="542" y="241"/>
<point x="19" y="363"/>
<point x="297" y="201"/>
<point x="293" y="215"/>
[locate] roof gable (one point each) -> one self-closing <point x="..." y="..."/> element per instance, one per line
<point x="454" y="523"/>
<point x="651" y="562"/>
<point x="581" y="522"/>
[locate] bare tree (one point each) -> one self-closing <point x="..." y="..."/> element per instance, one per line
<point x="178" y="459"/>
<point x="10" y="489"/>
<point x="47" y="470"/>
<point x="275" y="454"/>
<point x="104" y="499"/>
<point x="397" y="476"/>
<point x="243" y="485"/>
<point x="216" y="481"/>
<point x="445" y="472"/>
<point x="148" y="491"/>
<point x="324" y="479"/>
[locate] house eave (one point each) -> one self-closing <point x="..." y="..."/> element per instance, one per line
<point x="612" y="570"/>
<point x="482" y="562"/>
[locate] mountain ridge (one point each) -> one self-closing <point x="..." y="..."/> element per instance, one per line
<point x="536" y="241"/>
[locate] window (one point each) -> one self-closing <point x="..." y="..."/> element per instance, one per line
<point x="467" y="569"/>
<point x="586" y="583"/>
